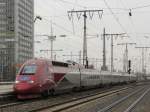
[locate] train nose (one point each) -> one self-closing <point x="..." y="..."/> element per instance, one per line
<point x="26" y="84"/>
<point x="25" y="87"/>
<point x="22" y="87"/>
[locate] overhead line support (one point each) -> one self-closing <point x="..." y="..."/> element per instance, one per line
<point x="125" y="66"/>
<point x="84" y="12"/>
<point x="112" y="36"/>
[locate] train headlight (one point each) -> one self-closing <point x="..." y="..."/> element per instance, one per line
<point x="17" y="81"/>
<point x="31" y="81"/>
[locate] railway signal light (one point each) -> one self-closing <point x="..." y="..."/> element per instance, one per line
<point x="129" y="71"/>
<point x="129" y="66"/>
<point x="130" y="13"/>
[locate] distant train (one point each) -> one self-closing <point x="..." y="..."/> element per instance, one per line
<point x="43" y="77"/>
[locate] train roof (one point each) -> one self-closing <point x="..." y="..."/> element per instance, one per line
<point x="116" y="73"/>
<point x="42" y="60"/>
<point x="58" y="63"/>
<point x="68" y="63"/>
<point x="35" y="61"/>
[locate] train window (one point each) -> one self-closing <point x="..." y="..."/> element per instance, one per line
<point x="29" y="69"/>
<point x="55" y="63"/>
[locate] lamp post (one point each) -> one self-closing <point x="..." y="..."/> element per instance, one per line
<point x="37" y="17"/>
<point x="52" y="38"/>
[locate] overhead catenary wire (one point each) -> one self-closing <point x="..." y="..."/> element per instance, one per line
<point x="60" y="27"/>
<point x="64" y="29"/>
<point x="71" y="18"/>
<point x="139" y="7"/>
<point x="115" y="17"/>
<point x="130" y="15"/>
<point x="59" y="16"/>
<point x="130" y="18"/>
<point x="64" y="1"/>
<point x="90" y="13"/>
<point x="84" y="13"/>
<point x="104" y="14"/>
<point x="83" y="6"/>
<point x="114" y="9"/>
<point x="73" y="28"/>
<point x="72" y="21"/>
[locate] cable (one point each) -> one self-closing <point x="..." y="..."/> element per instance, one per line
<point x="72" y="21"/>
<point x="65" y="16"/>
<point x="91" y="46"/>
<point x="81" y="6"/>
<point x="117" y="20"/>
<point x="74" y="4"/>
<point x="80" y="35"/>
<point x="132" y="23"/>
<point x="61" y="27"/>
<point x="139" y="7"/>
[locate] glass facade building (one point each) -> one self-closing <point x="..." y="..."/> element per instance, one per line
<point x="16" y="35"/>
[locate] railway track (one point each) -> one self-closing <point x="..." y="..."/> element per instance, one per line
<point x="79" y="101"/>
<point x="7" y="98"/>
<point x="137" y="101"/>
<point x="35" y="105"/>
<point x="127" y="103"/>
<point x="4" y="96"/>
<point x="62" y="102"/>
<point x="72" y="105"/>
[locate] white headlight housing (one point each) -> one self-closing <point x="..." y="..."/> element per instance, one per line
<point x="31" y="81"/>
<point x="17" y="81"/>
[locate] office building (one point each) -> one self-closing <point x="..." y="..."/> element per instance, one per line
<point x="16" y="35"/>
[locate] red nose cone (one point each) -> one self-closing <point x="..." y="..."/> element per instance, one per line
<point x="25" y="88"/>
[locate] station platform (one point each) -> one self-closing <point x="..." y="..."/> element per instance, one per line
<point x="6" y="83"/>
<point x="6" y="89"/>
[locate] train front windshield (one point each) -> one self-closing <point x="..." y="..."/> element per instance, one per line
<point x="29" y="70"/>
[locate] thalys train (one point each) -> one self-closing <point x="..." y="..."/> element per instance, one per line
<point x="42" y="77"/>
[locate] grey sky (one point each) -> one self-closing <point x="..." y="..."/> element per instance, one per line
<point x="137" y="26"/>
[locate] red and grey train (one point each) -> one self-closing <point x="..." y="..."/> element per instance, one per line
<point x="42" y="77"/>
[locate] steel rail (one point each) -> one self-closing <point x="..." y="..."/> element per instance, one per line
<point x="49" y="105"/>
<point x="15" y="104"/>
<point x="119" y="101"/>
<point x="137" y="101"/>
<point x="78" y="101"/>
<point x="6" y="96"/>
<point x="9" y="105"/>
